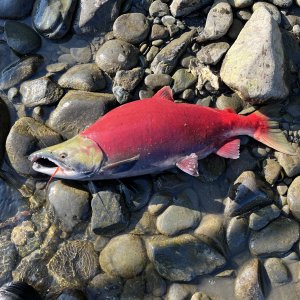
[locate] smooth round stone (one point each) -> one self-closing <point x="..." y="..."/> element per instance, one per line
<point x="152" y="53"/>
<point x="57" y="67"/>
<point x="240" y="3"/>
<point x="282" y="3"/>
<point x="132" y="28"/>
<point x="183" y="79"/>
<point x="277" y="271"/>
<point x="15" y="9"/>
<point x="277" y="238"/>
<point x="117" y="55"/>
<point x="233" y="102"/>
<point x="85" y="77"/>
<point x="212" y="53"/>
<point x="82" y="53"/>
<point x="123" y="256"/>
<point x="273" y="10"/>
<point x="21" y="38"/>
<point x="155" y="81"/>
<point x="293" y="197"/>
<point x="158" y="9"/>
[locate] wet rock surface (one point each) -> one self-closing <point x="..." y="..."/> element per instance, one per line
<point x="15" y="9"/>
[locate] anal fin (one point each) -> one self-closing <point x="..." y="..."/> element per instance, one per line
<point x="230" y="149"/>
<point x="189" y="164"/>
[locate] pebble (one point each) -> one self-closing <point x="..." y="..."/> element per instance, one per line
<point x="155" y="285"/>
<point x="132" y="28"/>
<point x="273" y="10"/>
<point x="272" y="170"/>
<point x="263" y="217"/>
<point x="130" y="79"/>
<point x="166" y="60"/>
<point x="57" y="67"/>
<point x="233" y="102"/>
<point x="115" y="55"/>
<point x="159" y="32"/>
<point x="276" y="238"/>
<point x="85" y="77"/>
<point x="158" y="9"/>
<point x="182" y="258"/>
<point x="152" y="53"/>
<point x="289" y="163"/>
<point x="182" y="79"/>
<point x="240" y="3"/>
<point x="77" y="110"/>
<point x="74" y="263"/>
<point x="41" y="91"/>
<point x="15" y="9"/>
<point x="156" y="81"/>
<point x="158" y="202"/>
<point x="168" y="20"/>
<point x="68" y="205"/>
<point x="179" y="291"/>
<point x="53" y="21"/>
<point x="218" y="22"/>
<point x="26" y="136"/>
<point x="277" y="271"/>
<point x="293" y="195"/>
<point x="133" y="288"/>
<point x="21" y="38"/>
<point x="243" y="14"/>
<point x="126" y="266"/>
<point x="181" y="8"/>
<point x="247" y="284"/>
<point x="142" y="223"/>
<point x="212" y="53"/>
<point x="282" y="188"/>
<point x="282" y="3"/>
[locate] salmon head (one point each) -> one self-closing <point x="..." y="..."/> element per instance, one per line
<point x="77" y="158"/>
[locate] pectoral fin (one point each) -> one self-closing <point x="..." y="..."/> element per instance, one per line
<point x="122" y="165"/>
<point x="230" y="149"/>
<point x="189" y="164"/>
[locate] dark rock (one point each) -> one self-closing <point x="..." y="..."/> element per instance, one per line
<point x="293" y="198"/>
<point x="182" y="258"/>
<point x="53" y="20"/>
<point x="7" y="56"/>
<point x="72" y="295"/>
<point x="19" y="71"/>
<point x="134" y="289"/>
<point x="155" y="285"/>
<point x="142" y="223"/>
<point x="235" y="29"/>
<point x="77" y="110"/>
<point x="211" y="168"/>
<point x="15" y="9"/>
<point x="233" y="102"/>
<point x="85" y="77"/>
<point x="21" y="38"/>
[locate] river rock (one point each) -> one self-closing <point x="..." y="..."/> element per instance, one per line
<point x="158" y="202"/>
<point x="212" y="53"/>
<point x="155" y="285"/>
<point x="134" y="288"/>
<point x="126" y="266"/>
<point x="156" y="81"/>
<point x="158" y="9"/>
<point x="85" y="77"/>
<point x="272" y="170"/>
<point x="115" y="55"/>
<point x="180" y="291"/>
<point x="233" y="102"/>
<point x="293" y="197"/>
<point x="254" y="64"/>
<point x="183" y="79"/>
<point x="132" y="28"/>
<point x="129" y="80"/>
<point x="273" y="10"/>
<point x="53" y="20"/>
<point x="182" y="258"/>
<point x="240" y="3"/>
<point x="77" y="110"/>
<point x="21" y="38"/>
<point x="109" y="213"/>
<point x="166" y="60"/>
<point x="15" y="9"/>
<point x="159" y="32"/>
<point x="41" y="91"/>
<point x="181" y="8"/>
<point x="26" y="136"/>
<point x="19" y="71"/>
<point x="289" y="163"/>
<point x="277" y="271"/>
<point x="74" y="264"/>
<point x="276" y="238"/>
<point x="96" y="16"/>
<point x="68" y="205"/>
<point x="218" y="22"/>
<point x="247" y="284"/>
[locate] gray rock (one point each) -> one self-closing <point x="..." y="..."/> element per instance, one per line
<point x="277" y="238"/>
<point x="105" y="286"/>
<point x="85" y="77"/>
<point x="53" y="20"/>
<point x="200" y="296"/>
<point x="282" y="3"/>
<point x="155" y="285"/>
<point x="212" y="53"/>
<point x="77" y="110"/>
<point x="129" y="80"/>
<point x="41" y="91"/>
<point x="21" y="38"/>
<point x="158" y="202"/>
<point x="96" y="16"/>
<point x="237" y="234"/>
<point x="243" y="14"/>
<point x="263" y="217"/>
<point x="115" y="55"/>
<point x="81" y="51"/>
<point x="158" y="32"/>
<point x="68" y="204"/>
<point x="183" y="79"/>
<point x="289" y="163"/>
<point x="132" y="28"/>
<point x="155" y="81"/>
<point x="19" y="71"/>
<point x="233" y="102"/>
<point x="179" y="291"/>
<point x="182" y="258"/>
<point x="277" y="271"/>
<point x="152" y="53"/>
<point x="15" y="9"/>
<point x="25" y="137"/>
<point x="256" y="56"/>
<point x="134" y="289"/>
<point x="74" y="264"/>
<point x="293" y="197"/>
<point x="158" y="9"/>
<point x="57" y="67"/>
<point x="240" y="3"/>
<point x="273" y="10"/>
<point x="128" y="265"/>
<point x="109" y="213"/>
<point x="272" y="170"/>
<point x="246" y="193"/>
<point x="247" y="284"/>
<point x="218" y="22"/>
<point x="166" y="60"/>
<point x="181" y="8"/>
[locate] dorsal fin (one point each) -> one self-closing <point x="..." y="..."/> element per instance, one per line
<point x="164" y="93"/>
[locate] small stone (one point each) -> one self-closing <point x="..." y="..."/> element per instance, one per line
<point x="200" y="296"/>
<point x="289" y="163"/>
<point x="179" y="291"/>
<point x="243" y="14"/>
<point x="183" y="79"/>
<point x="277" y="271"/>
<point x="155" y="285"/>
<point x="155" y="81"/>
<point x="130" y="79"/>
<point x="159" y="32"/>
<point x="293" y="196"/>
<point x="126" y="266"/>
<point x="282" y="3"/>
<point x="143" y="223"/>
<point x="212" y="53"/>
<point x="133" y="288"/>
<point x="20" y="233"/>
<point x="282" y="188"/>
<point x="240" y="3"/>
<point x="145" y="94"/>
<point x="158" y="202"/>
<point x="188" y="94"/>
<point x="168" y="20"/>
<point x="181" y="8"/>
<point x="158" y="9"/>
<point x="233" y="102"/>
<point x="272" y="170"/>
<point x="81" y="52"/>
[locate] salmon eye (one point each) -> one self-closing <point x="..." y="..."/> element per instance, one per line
<point x="63" y="155"/>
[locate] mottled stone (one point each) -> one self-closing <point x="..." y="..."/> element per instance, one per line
<point x="293" y="197"/>
<point x="158" y="9"/>
<point x="212" y="53"/>
<point x="129" y="80"/>
<point x="277" y="271"/>
<point x="179" y="291"/>
<point x="181" y="8"/>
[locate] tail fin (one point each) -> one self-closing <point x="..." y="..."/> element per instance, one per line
<point x="269" y="133"/>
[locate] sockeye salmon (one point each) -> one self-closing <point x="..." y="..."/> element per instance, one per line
<point x="153" y="135"/>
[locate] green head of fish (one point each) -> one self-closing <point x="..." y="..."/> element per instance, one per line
<point x="78" y="158"/>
